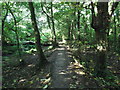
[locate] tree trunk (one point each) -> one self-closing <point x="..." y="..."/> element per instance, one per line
<point x="119" y="44"/>
<point x="17" y="36"/>
<point x="100" y="67"/>
<point x="100" y="23"/>
<point x="108" y="40"/>
<point x="115" y="35"/>
<point x="42" y="59"/>
<point x="3" y="22"/>
<point x="78" y="23"/>
<point x="69" y="30"/>
<point x="53" y="28"/>
<point x="72" y="29"/>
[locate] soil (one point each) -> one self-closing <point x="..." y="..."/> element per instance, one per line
<point x="60" y="73"/>
<point x="63" y="71"/>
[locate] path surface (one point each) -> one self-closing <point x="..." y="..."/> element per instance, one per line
<point x="67" y="72"/>
<point x="60" y="73"/>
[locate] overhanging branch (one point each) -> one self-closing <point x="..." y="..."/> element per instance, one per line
<point x="114" y="6"/>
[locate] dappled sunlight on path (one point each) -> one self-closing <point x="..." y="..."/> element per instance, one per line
<point x="60" y="75"/>
<point x="66" y="71"/>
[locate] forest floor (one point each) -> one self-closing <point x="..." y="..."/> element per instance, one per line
<point x="60" y="73"/>
<point x="67" y="72"/>
<point x="63" y="71"/>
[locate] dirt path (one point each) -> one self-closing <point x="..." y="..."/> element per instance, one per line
<point x="67" y="72"/>
<point x="60" y="73"/>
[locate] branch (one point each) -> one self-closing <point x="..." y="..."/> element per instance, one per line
<point x="48" y="17"/>
<point x="14" y="16"/>
<point x="11" y="13"/>
<point x="44" y="11"/>
<point x="92" y="9"/>
<point x="87" y="8"/>
<point x="114" y="6"/>
<point x="44" y="35"/>
<point x="93" y="16"/>
<point x="4" y="21"/>
<point x="5" y="16"/>
<point x="22" y="18"/>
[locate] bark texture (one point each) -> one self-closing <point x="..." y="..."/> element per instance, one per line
<point x="40" y="53"/>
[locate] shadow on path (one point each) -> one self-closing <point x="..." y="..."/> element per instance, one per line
<point x="67" y="72"/>
<point x="60" y="74"/>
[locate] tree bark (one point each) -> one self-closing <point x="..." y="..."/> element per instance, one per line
<point x="3" y="23"/>
<point x="100" y="23"/>
<point x="100" y="68"/>
<point x="115" y="34"/>
<point x="48" y="17"/>
<point x="53" y="27"/>
<point x="16" y="32"/>
<point x="78" y="22"/>
<point x="69" y="29"/>
<point x="72" y="29"/>
<point x="42" y="59"/>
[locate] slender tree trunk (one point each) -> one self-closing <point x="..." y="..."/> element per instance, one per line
<point x="40" y="53"/>
<point x="48" y="19"/>
<point x="119" y="44"/>
<point x="115" y="35"/>
<point x="72" y="29"/>
<point x="53" y="27"/>
<point x="108" y="40"/>
<point x="78" y="23"/>
<point x="17" y="36"/>
<point x="69" y="30"/>
<point x="18" y="43"/>
<point x="3" y="22"/>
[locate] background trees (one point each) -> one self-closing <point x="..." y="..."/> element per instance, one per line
<point x="89" y="28"/>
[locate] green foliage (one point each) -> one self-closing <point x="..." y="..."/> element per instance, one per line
<point x="65" y="17"/>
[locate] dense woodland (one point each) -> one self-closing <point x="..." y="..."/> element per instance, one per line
<point x="61" y="44"/>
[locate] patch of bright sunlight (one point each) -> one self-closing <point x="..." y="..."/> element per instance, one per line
<point x="48" y="75"/>
<point x="29" y="51"/>
<point x="63" y="41"/>
<point x="77" y="63"/>
<point x="109" y="67"/>
<point x="22" y="80"/>
<point x="69" y="55"/>
<point x="80" y="72"/>
<point x="61" y="49"/>
<point x="22" y="26"/>
<point x="101" y="48"/>
<point x="60" y="53"/>
<point x="31" y="65"/>
<point x="62" y="73"/>
<point x="45" y="81"/>
<point x="0" y="48"/>
<point x="67" y="78"/>
<point x="75" y="49"/>
<point x="50" y="47"/>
